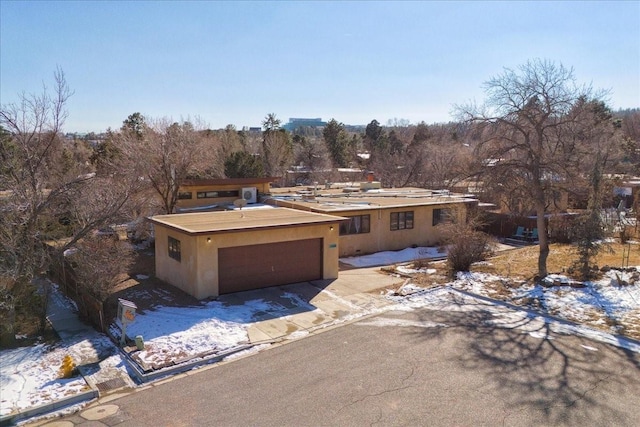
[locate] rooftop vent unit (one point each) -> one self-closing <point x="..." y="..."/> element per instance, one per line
<point x="351" y="189"/>
<point x="250" y="194"/>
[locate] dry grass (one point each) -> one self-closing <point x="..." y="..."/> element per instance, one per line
<point x="522" y="263"/>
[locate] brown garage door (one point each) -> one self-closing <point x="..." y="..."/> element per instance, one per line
<point x="259" y="266"/>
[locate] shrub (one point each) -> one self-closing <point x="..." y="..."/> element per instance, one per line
<point x="465" y="245"/>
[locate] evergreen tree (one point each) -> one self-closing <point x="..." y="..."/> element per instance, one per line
<point x="335" y="137"/>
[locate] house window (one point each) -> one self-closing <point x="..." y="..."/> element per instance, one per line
<point x="174" y="248"/>
<point x="206" y="194"/>
<point x="443" y="216"/>
<point x="184" y="195"/>
<point x="217" y="194"/>
<point x="355" y="225"/>
<point x="401" y="220"/>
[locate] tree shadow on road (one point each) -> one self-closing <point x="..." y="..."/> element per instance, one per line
<point x="532" y="365"/>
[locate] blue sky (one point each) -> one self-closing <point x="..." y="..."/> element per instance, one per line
<point x="235" y="62"/>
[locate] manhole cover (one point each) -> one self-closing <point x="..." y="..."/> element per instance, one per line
<point x="111" y="384"/>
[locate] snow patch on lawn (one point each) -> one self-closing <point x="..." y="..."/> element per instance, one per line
<point x="30" y="376"/>
<point x="406" y="270"/>
<point x="394" y="257"/>
<point x="600" y="309"/>
<point x="174" y="334"/>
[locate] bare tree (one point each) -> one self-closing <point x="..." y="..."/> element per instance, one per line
<point x="230" y="141"/>
<point x="311" y="153"/>
<point x="100" y="263"/>
<point x="47" y="194"/>
<point x="277" y="149"/>
<point x="531" y="111"/>
<point x="444" y="166"/>
<point x="165" y="157"/>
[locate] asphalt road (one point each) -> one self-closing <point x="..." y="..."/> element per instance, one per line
<point x="419" y="368"/>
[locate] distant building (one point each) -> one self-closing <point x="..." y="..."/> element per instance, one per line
<point x="295" y="123"/>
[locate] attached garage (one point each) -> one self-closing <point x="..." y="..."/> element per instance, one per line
<point x="213" y="253"/>
<point x="270" y="264"/>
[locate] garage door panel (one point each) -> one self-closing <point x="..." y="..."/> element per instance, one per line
<point x="258" y="266"/>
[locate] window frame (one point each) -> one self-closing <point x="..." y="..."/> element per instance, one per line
<point x="404" y="220"/>
<point x="349" y="226"/>
<point x="217" y="194"/>
<point x="443" y="216"/>
<point x="174" y="248"/>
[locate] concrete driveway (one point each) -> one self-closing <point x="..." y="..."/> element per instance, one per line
<point x="311" y="305"/>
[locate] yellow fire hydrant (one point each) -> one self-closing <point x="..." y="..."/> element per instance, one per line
<point x="67" y="367"/>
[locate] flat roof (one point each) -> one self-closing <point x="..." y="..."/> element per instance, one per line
<point x="241" y="220"/>
<point x="335" y="201"/>
<point x="226" y="181"/>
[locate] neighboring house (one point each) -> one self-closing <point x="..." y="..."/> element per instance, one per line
<point x="628" y="189"/>
<point x="303" y="175"/>
<point x="211" y="253"/>
<point x="512" y="203"/>
<point x="220" y="194"/>
<point x="380" y="219"/>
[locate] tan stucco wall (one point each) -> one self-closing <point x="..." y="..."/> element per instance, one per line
<point x="381" y="238"/>
<point x="197" y="274"/>
<point x="181" y="274"/>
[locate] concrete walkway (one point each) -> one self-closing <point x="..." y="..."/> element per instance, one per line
<point x="353" y="294"/>
<point x="64" y="318"/>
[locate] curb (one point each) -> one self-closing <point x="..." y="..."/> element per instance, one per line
<point x="143" y="377"/>
<point x="11" y="419"/>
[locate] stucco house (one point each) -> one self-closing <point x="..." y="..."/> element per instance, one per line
<point x="198" y="195"/>
<point x="211" y="253"/>
<point x="380" y="219"/>
<point x="289" y="235"/>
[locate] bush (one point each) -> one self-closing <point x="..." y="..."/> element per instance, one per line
<point x="465" y="245"/>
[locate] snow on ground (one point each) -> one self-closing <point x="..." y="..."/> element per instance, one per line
<point x="602" y="303"/>
<point x="448" y="299"/>
<point x="30" y="376"/>
<point x="172" y="334"/>
<point x="407" y="270"/>
<point x="394" y="257"/>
